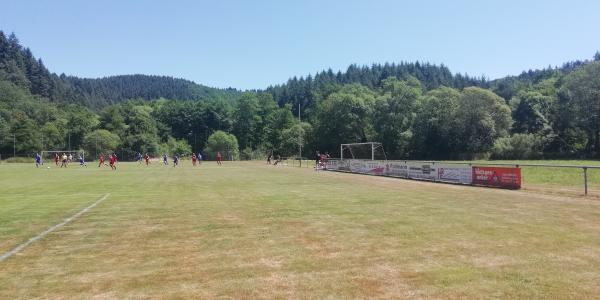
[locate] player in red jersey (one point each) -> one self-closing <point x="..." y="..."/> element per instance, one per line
<point x="147" y="159"/>
<point x="100" y="160"/>
<point x="194" y="159"/>
<point x="219" y="158"/>
<point x="113" y="161"/>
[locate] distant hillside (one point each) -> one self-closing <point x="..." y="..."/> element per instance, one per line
<point x="507" y="87"/>
<point x="110" y="90"/>
<point x="19" y="67"/>
<point x="303" y="90"/>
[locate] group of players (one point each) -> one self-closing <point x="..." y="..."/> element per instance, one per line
<point x="112" y="160"/>
<point x="196" y="159"/>
<point x="321" y="159"/>
<point x="65" y="159"/>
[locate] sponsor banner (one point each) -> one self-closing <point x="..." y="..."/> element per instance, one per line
<point x="331" y="165"/>
<point x="396" y="168"/>
<point x="374" y="168"/>
<point x="422" y="170"/>
<point x="497" y="177"/>
<point x="343" y="165"/>
<point x="366" y="167"/>
<point x="357" y="166"/>
<point x="455" y="173"/>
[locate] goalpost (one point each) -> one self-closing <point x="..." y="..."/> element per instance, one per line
<point x="369" y="150"/>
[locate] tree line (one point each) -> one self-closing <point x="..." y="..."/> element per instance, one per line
<point x="417" y="110"/>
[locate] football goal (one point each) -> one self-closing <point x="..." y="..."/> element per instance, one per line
<point x="369" y="150"/>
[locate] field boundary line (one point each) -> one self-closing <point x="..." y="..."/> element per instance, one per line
<point x="51" y="229"/>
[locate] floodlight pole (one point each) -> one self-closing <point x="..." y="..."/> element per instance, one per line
<point x="299" y="137"/>
<point x="42" y="152"/>
<point x="342" y="152"/>
<point x="14" y="145"/>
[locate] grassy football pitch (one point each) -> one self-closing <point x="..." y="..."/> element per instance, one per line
<point x="247" y="230"/>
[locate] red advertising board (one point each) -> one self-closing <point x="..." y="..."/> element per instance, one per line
<point x="509" y="178"/>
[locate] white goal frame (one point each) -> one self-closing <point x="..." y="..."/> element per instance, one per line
<point x="374" y="146"/>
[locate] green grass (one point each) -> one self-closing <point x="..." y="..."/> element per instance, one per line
<point x="247" y="230"/>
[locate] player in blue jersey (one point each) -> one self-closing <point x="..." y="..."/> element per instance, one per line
<point x="175" y="160"/>
<point x="38" y="160"/>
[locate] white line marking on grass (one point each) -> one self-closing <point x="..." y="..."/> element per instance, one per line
<point x="49" y="230"/>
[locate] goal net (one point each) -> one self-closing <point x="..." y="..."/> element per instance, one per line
<point x="362" y="151"/>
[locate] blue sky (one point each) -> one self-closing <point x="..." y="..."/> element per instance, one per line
<point x="253" y="44"/>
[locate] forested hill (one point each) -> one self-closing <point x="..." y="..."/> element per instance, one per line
<point x="111" y="90"/>
<point x="305" y="90"/>
<point x="508" y="87"/>
<point x="19" y="67"/>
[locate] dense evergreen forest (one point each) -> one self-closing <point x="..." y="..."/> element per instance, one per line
<point x="417" y="110"/>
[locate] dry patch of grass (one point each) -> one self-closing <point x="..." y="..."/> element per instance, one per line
<point x="246" y="230"/>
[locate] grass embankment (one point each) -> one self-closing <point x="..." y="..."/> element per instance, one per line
<point x="250" y="230"/>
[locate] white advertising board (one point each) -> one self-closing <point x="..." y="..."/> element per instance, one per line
<point x="423" y="170"/>
<point x="416" y="170"/>
<point x="375" y="167"/>
<point x="357" y="166"/>
<point x="455" y="173"/>
<point x="331" y="165"/>
<point x="366" y="167"/>
<point x="396" y="169"/>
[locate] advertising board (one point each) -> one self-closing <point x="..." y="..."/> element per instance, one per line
<point x="497" y="177"/>
<point x="455" y="173"/>
<point x="396" y="169"/>
<point x="422" y="170"/>
<point x="375" y="167"/>
<point x="504" y="177"/>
